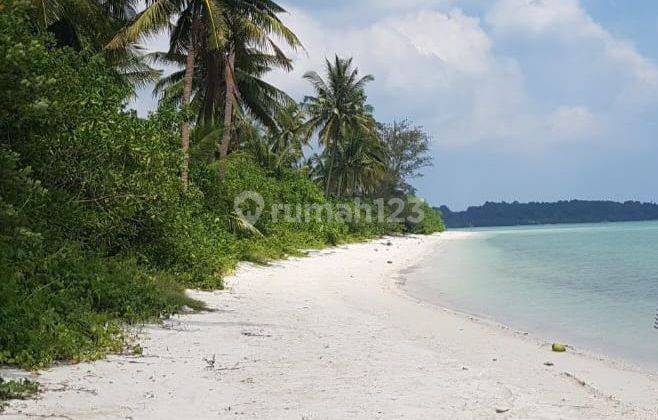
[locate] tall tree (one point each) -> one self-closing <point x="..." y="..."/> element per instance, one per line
<point x="195" y="20"/>
<point x="252" y="29"/>
<point x="407" y="152"/>
<point x="339" y="105"/>
<point x="291" y="133"/>
<point x="276" y="149"/>
<point x="362" y="164"/>
<point x="259" y="99"/>
<point x="359" y="165"/>
<point x="213" y="33"/>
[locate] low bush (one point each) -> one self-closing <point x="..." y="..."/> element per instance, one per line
<point x="16" y="390"/>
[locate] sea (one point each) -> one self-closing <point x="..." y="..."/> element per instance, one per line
<point x="592" y="286"/>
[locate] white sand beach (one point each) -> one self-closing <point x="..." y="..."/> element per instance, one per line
<point x="333" y="336"/>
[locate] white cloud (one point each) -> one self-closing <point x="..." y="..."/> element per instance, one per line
<point x="452" y="40"/>
<point x="436" y="67"/>
<point x="439" y="68"/>
<point x="567" y="22"/>
<point x="573" y="123"/>
<point x="455" y="39"/>
<point x="406" y="5"/>
<point x="539" y="16"/>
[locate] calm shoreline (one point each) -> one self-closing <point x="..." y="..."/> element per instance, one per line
<point x="333" y="336"/>
<point x="424" y="283"/>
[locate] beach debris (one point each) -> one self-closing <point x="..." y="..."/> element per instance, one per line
<point x="502" y="410"/>
<point x="559" y="347"/>
<point x="210" y="362"/>
<point x="236" y="366"/>
<point x="255" y="334"/>
<point x="548" y="363"/>
<point x="137" y="350"/>
<point x="578" y="380"/>
<point x="389" y="262"/>
<point x="186" y="310"/>
<point x="389" y="243"/>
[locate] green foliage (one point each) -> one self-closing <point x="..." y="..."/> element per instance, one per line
<point x="289" y="187"/>
<point x="430" y="220"/>
<point x="81" y="182"/>
<point x="250" y="30"/>
<point x="65" y="304"/>
<point x="96" y="230"/>
<point x="16" y="390"/>
<point x="60" y="299"/>
<point x="407" y="152"/>
<point x="337" y="112"/>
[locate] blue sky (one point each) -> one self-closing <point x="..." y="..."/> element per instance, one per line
<point x="525" y="99"/>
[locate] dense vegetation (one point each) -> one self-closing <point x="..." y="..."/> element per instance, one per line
<point x="574" y="211"/>
<point x="106" y="217"/>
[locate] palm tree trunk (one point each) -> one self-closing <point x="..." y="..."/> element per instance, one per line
<point x="340" y="184"/>
<point x="228" y="104"/>
<point x="187" y="94"/>
<point x="328" y="180"/>
<point x="331" y="168"/>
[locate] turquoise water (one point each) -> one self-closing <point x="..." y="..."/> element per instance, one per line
<point x="594" y="286"/>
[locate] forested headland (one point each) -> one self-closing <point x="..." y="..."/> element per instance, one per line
<point x="533" y="213"/>
<point x="106" y="217"/>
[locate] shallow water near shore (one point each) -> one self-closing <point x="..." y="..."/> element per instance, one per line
<point x="594" y="286"/>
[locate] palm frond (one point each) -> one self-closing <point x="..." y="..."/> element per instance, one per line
<point x="239" y="225"/>
<point x="152" y="19"/>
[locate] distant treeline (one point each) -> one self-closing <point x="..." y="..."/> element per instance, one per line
<point x="574" y="211"/>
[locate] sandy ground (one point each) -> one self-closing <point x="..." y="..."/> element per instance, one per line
<point x="333" y="336"/>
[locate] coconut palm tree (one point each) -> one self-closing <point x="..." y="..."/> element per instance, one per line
<point x="362" y="165"/>
<point x="195" y="20"/>
<point x="338" y="107"/>
<point x="250" y="34"/>
<point x="291" y="133"/>
<point x="280" y="148"/>
<point x="259" y="99"/>
<point x="208" y="35"/>
<point x="359" y="165"/>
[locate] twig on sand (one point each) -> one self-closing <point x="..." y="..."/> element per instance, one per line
<point x="254" y="334"/>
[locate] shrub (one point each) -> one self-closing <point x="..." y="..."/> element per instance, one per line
<point x="429" y="222"/>
<point x="81" y="181"/>
<point x="16" y="390"/>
